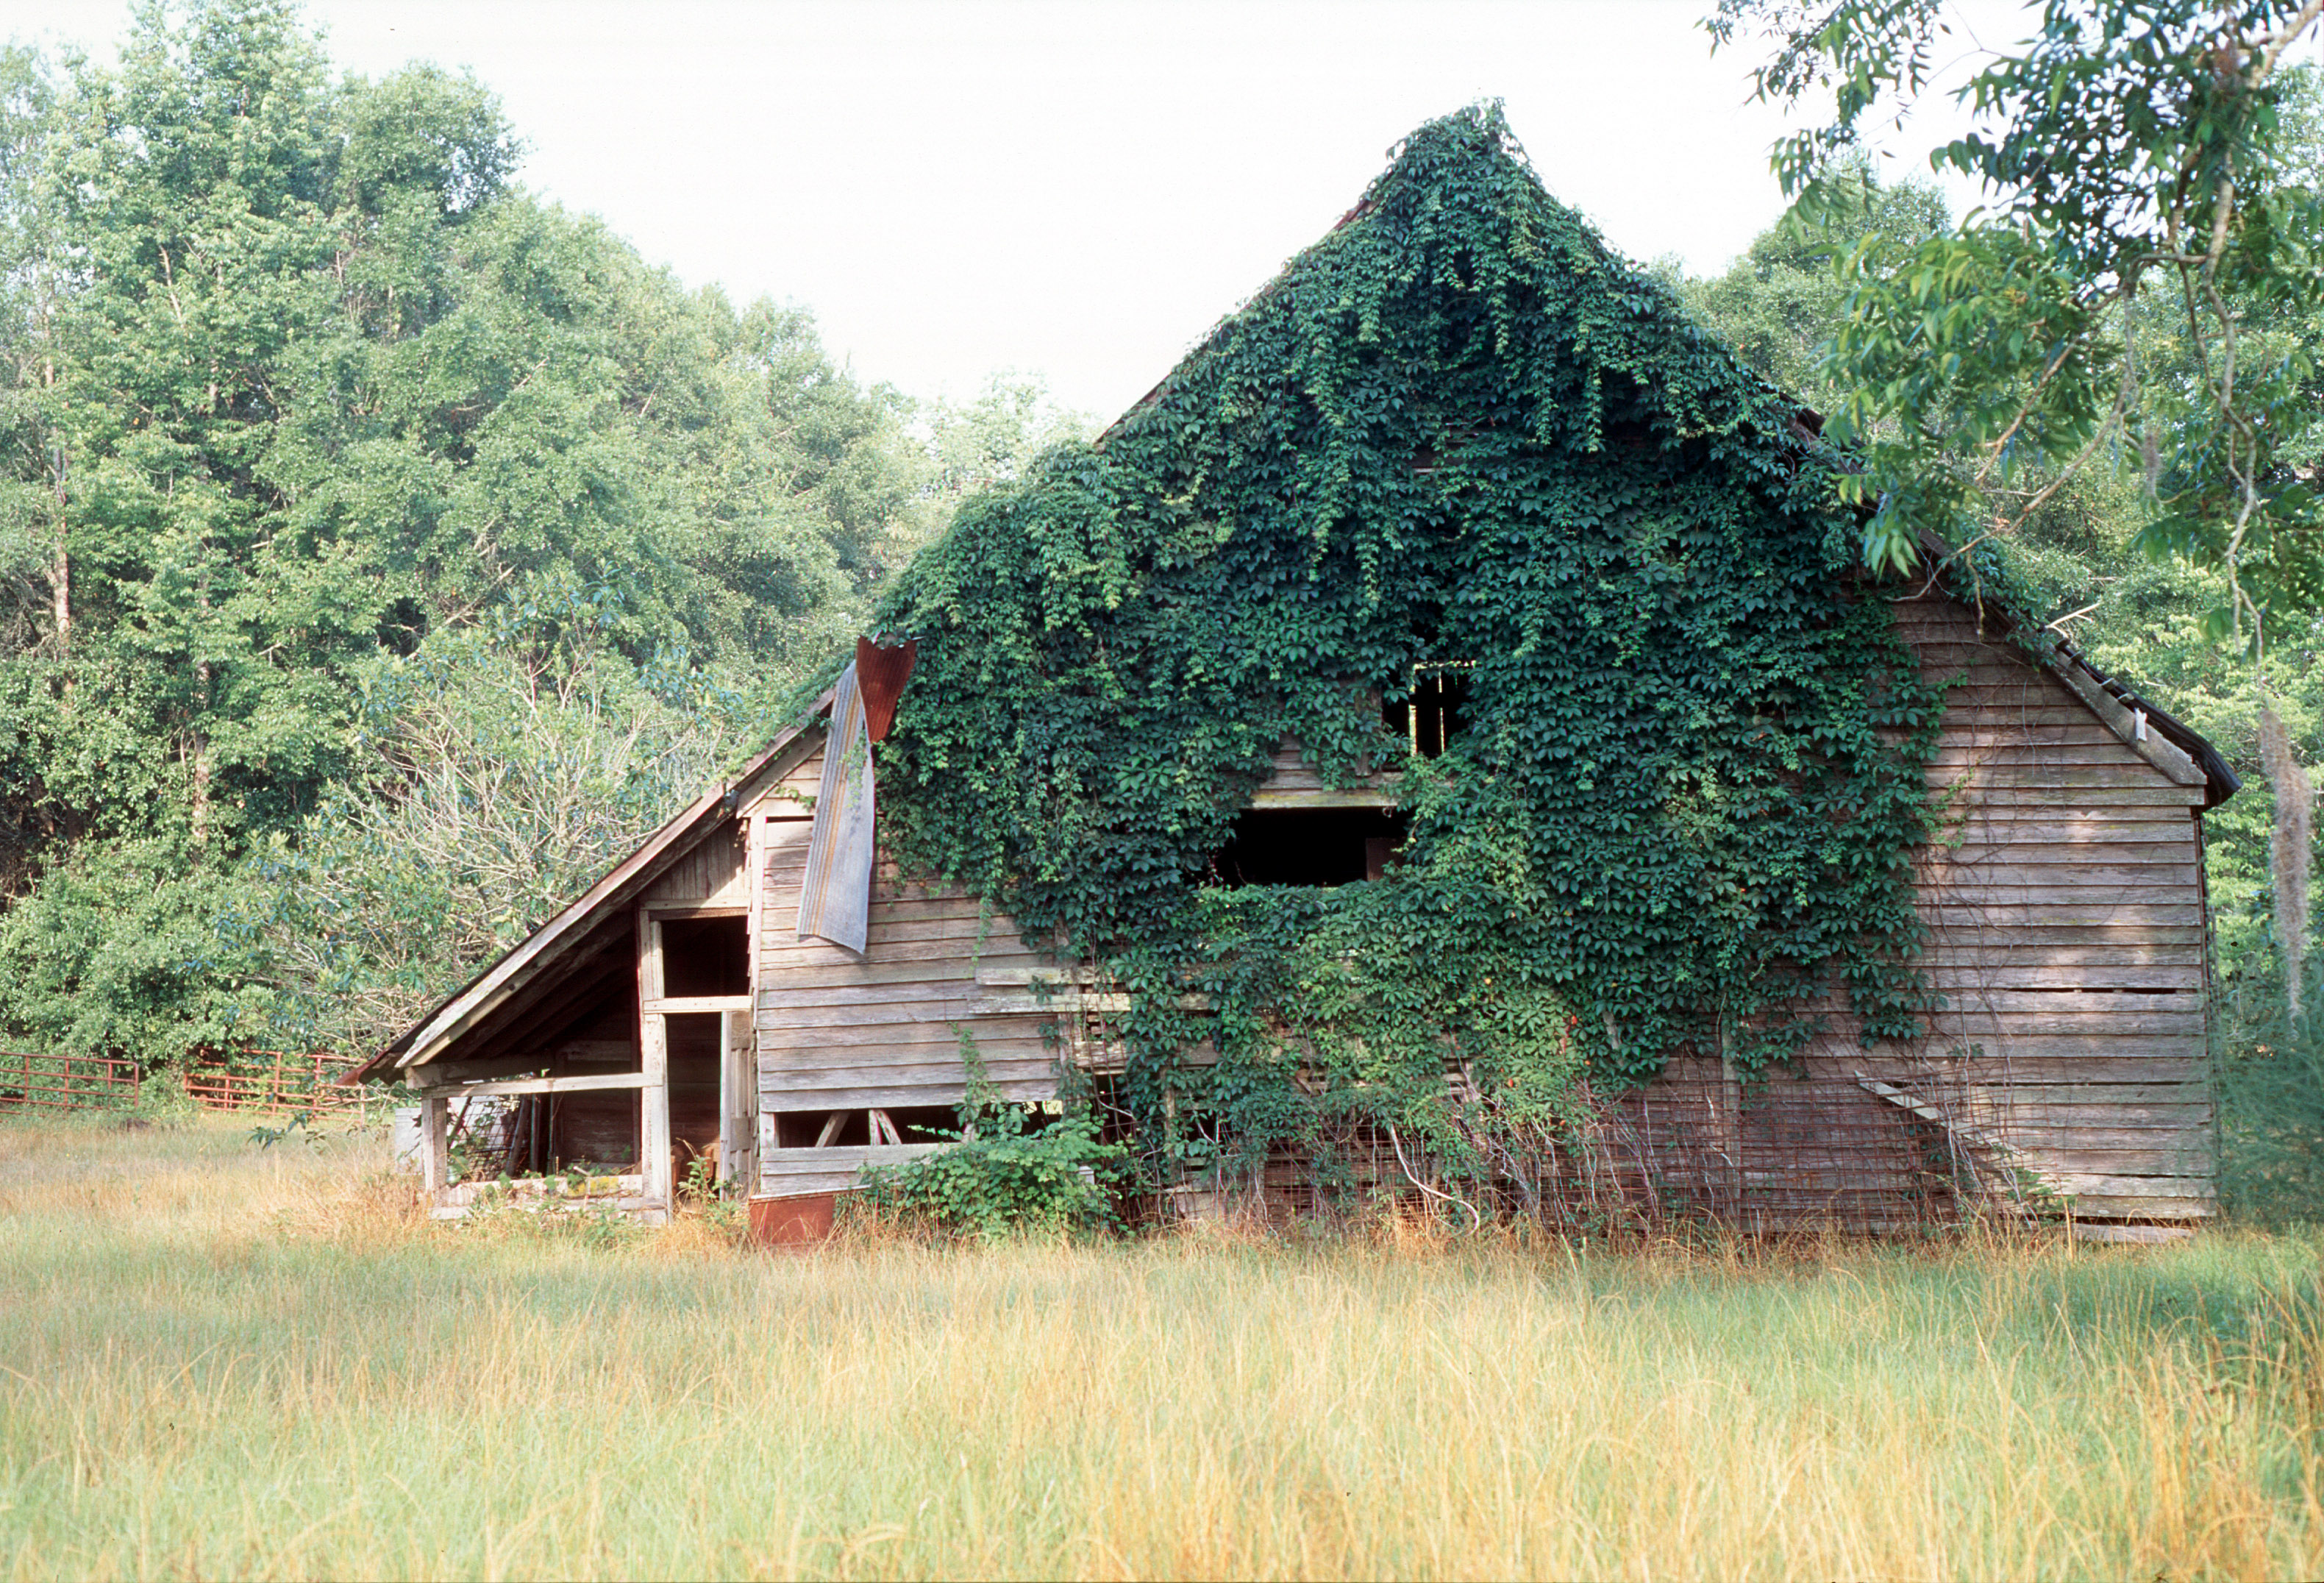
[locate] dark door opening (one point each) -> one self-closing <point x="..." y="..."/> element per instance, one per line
<point x="1309" y="847"/>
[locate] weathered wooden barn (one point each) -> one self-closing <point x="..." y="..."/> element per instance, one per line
<point x="676" y="1006"/>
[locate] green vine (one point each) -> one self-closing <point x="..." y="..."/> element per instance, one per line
<point x="1457" y="430"/>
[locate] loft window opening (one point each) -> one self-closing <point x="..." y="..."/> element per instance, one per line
<point x="1309" y="847"/>
<point x="705" y="956"/>
<point x="1435" y="710"/>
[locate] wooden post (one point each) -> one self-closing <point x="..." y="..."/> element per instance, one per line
<point x="738" y="1102"/>
<point x="653" y="1108"/>
<point x="749" y="1124"/>
<point x="653" y="1051"/>
<point x="1730" y="1122"/>
<point x="434" y="1112"/>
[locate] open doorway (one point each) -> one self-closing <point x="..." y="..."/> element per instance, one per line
<point x="694" y="1013"/>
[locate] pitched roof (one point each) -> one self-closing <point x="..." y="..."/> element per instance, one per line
<point x="524" y="963"/>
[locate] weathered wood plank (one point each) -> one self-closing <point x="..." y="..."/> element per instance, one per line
<point x="935" y="1092"/>
<point x="2096" y="1206"/>
<point x="2084" y="912"/>
<point x="2134" y="935"/>
<point x="2175" y="853"/>
<point x="574" y="1084"/>
<point x="2064" y="777"/>
<point x="1962" y="978"/>
<point x="795" y="985"/>
<point x="783" y="1078"/>
<point x="2021" y="754"/>
<point x="829" y="1170"/>
<point x="907" y="1002"/>
<point x="2157" y="879"/>
<point x="2095" y="788"/>
<point x="2008" y="829"/>
<point x="1010" y="1036"/>
<point x="2097" y="1065"/>
<point x="2110" y="1185"/>
<point x="1974" y="953"/>
<point x="903" y="939"/>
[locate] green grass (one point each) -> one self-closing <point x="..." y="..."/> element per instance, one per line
<point x="219" y="1362"/>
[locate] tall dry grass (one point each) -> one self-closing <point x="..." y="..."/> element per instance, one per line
<point x="217" y="1362"/>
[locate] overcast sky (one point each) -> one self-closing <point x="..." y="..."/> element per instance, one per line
<point x="1072" y="189"/>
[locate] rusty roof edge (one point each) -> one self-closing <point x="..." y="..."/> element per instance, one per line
<point x="640" y="869"/>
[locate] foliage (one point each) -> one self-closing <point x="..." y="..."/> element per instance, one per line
<point x="1457" y="431"/>
<point x="2272" y="1121"/>
<point x="511" y="763"/>
<point x="1778" y="304"/>
<point x="1002" y="1173"/>
<point x="2127" y="146"/>
<point x="295" y="383"/>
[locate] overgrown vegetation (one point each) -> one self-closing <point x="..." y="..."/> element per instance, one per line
<point x="1458" y="433"/>
<point x="223" y="1362"/>
<point x="1008" y="1169"/>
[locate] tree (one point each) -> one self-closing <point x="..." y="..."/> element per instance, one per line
<point x="294" y="381"/>
<point x="2127" y="146"/>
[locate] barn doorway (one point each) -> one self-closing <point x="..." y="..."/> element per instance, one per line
<point x="694" y="1024"/>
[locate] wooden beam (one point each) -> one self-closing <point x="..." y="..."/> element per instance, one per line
<point x="676" y="1005"/>
<point x="1270" y="797"/>
<point x="538" y="1085"/>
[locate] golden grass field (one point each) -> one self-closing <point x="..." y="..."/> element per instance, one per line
<point x="218" y="1362"/>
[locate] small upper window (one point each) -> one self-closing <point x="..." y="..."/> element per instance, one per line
<point x="1436" y="709"/>
<point x="703" y="956"/>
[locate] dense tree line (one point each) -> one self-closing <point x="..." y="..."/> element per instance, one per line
<point x="332" y="455"/>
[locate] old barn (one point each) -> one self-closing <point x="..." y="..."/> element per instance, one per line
<point x="1456" y="567"/>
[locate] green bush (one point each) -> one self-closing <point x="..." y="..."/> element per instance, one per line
<point x="1002" y="1173"/>
<point x="2271" y="1123"/>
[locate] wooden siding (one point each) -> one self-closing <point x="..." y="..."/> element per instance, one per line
<point x="836" y="1032"/>
<point x="830" y="1171"/>
<point x="709" y="874"/>
<point x="2066" y="934"/>
<point x="1294" y="783"/>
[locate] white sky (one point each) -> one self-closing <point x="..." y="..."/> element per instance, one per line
<point x="1073" y="190"/>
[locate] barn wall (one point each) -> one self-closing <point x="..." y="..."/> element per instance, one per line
<point x="2066" y="933"/>
<point x="839" y="1034"/>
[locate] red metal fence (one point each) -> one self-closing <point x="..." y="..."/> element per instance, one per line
<point x="273" y="1081"/>
<point x="270" y="1081"/>
<point x="64" y="1082"/>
